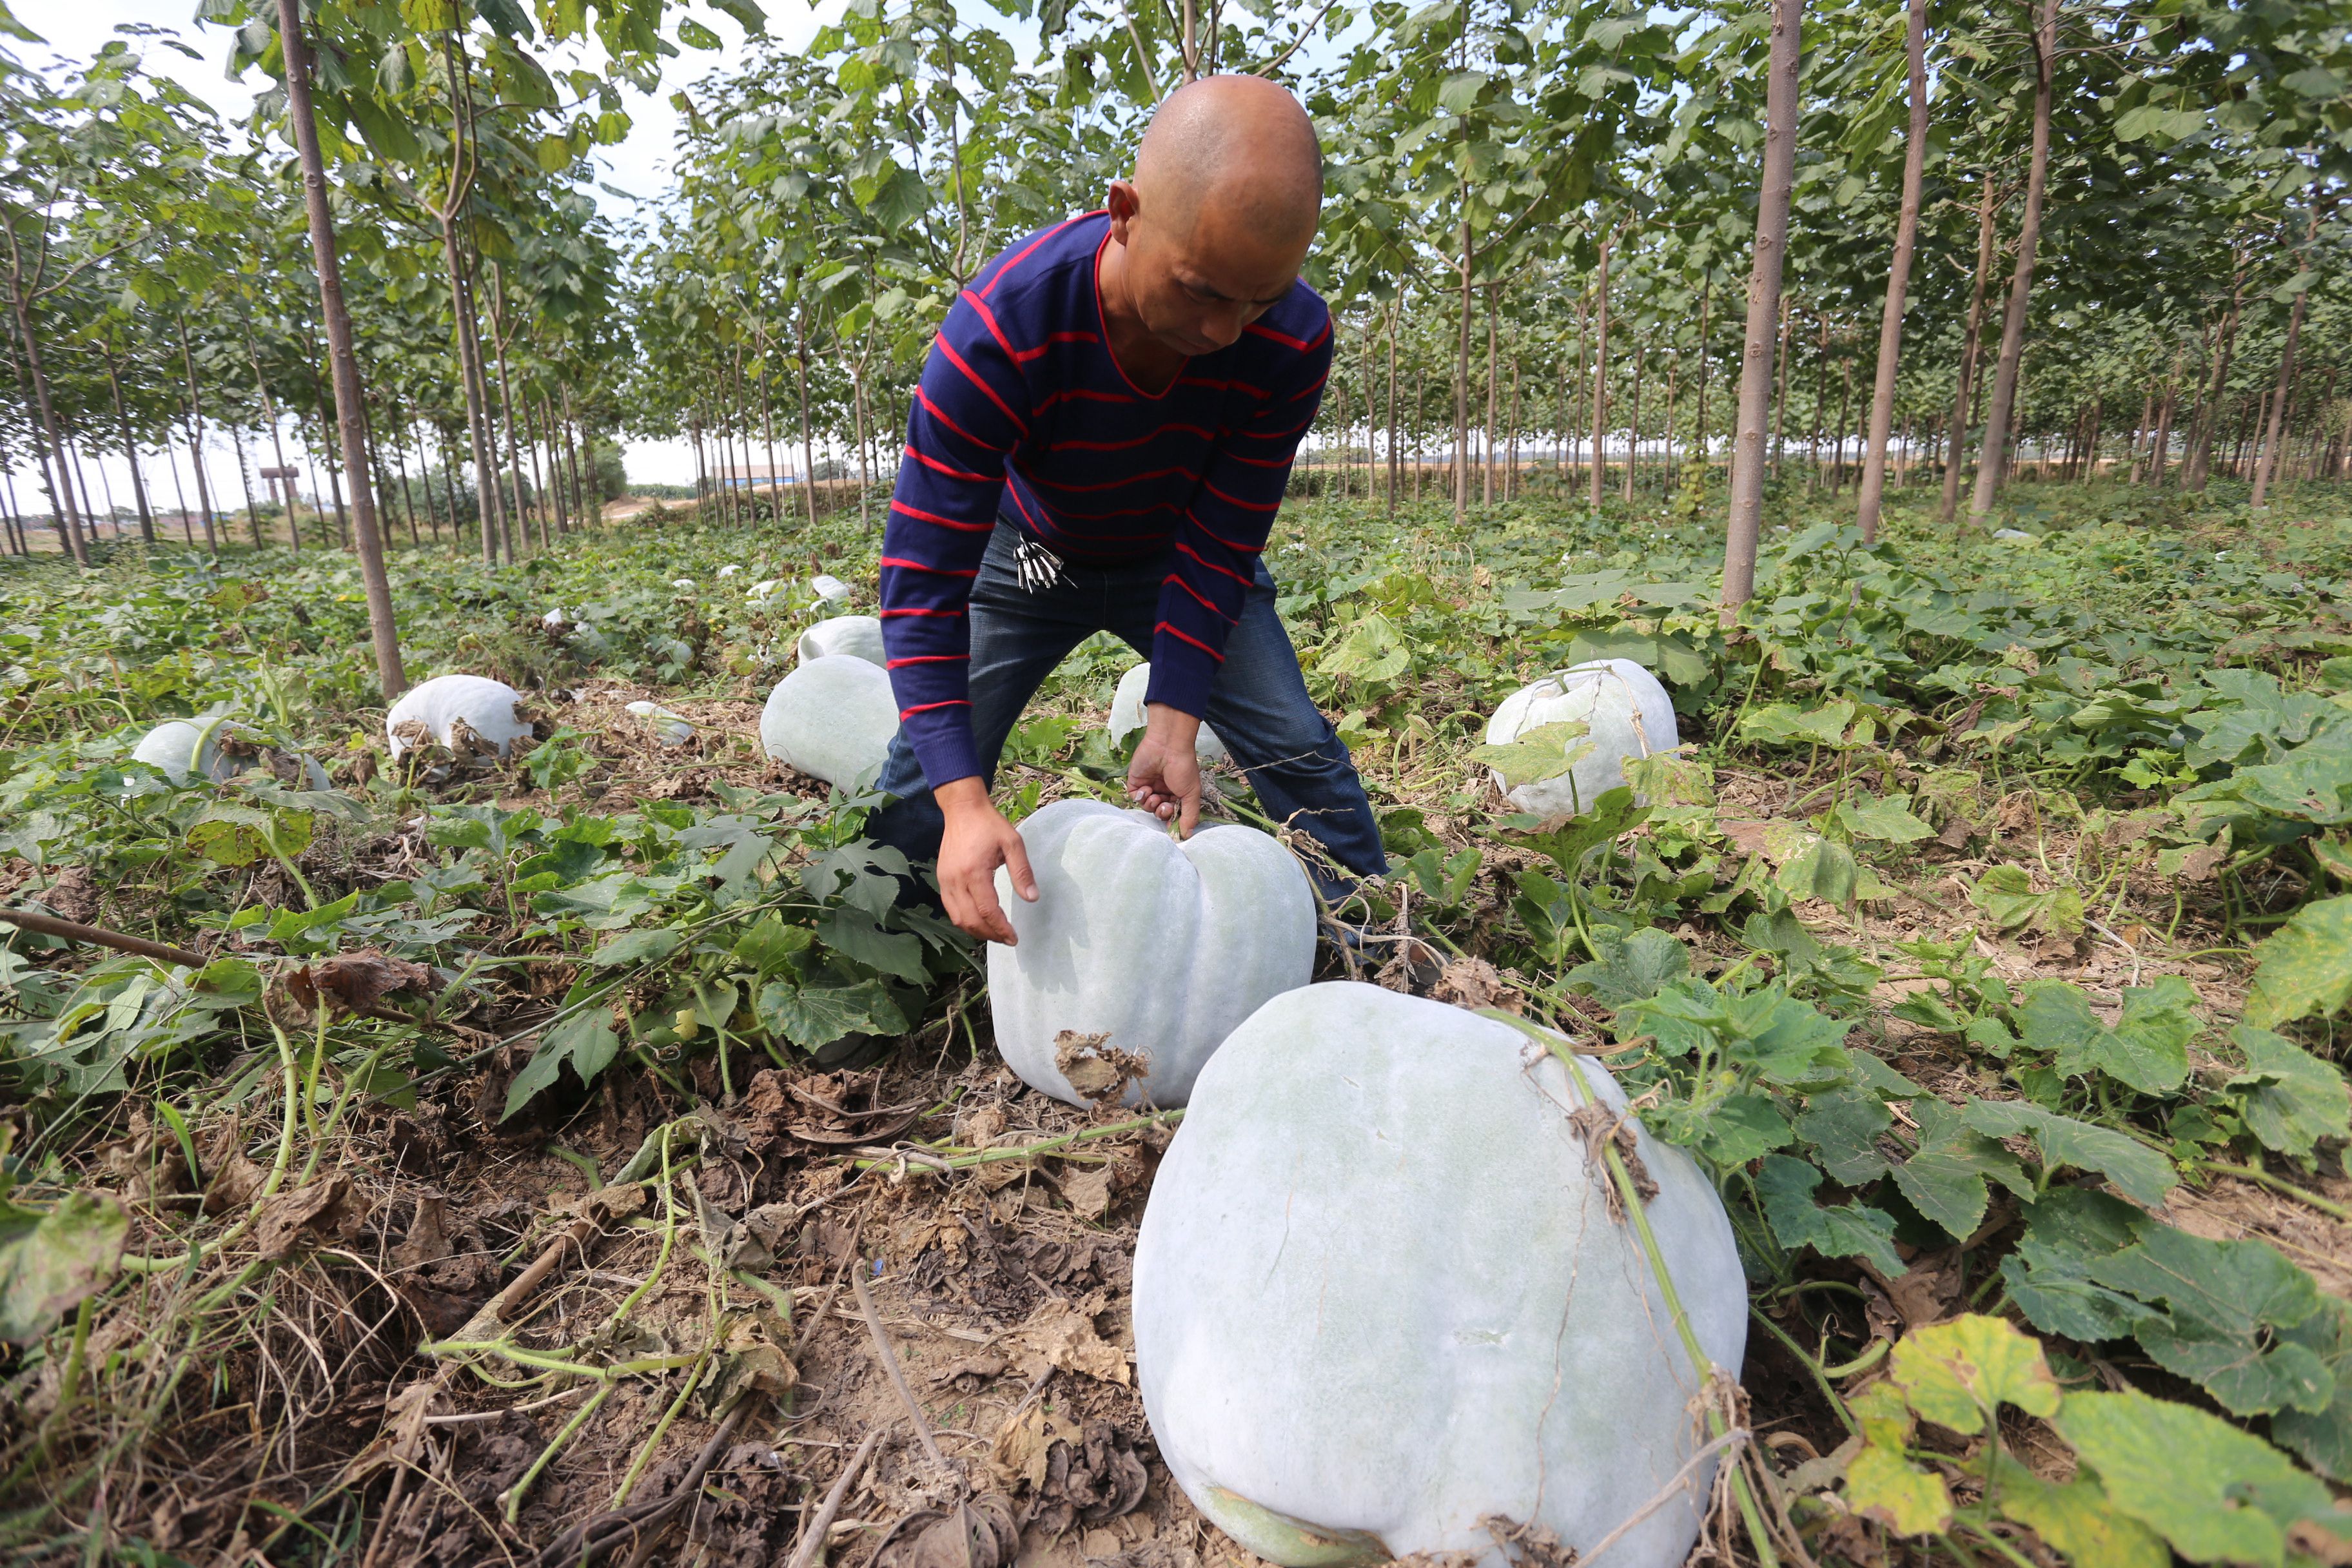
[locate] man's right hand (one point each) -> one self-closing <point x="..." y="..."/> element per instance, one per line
<point x="977" y="841"/>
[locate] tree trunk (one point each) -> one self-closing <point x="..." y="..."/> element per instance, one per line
<point x="131" y="455"/>
<point x="53" y="450"/>
<point x="2091" y="440"/>
<point x="1993" y="458"/>
<point x="1599" y="476"/>
<point x="1781" y="397"/>
<point x="180" y="491"/>
<point x="2159" y="451"/>
<point x="245" y="483"/>
<point x="1964" y="395"/>
<point x="2209" y="409"/>
<point x="196" y="437"/>
<point x="2266" y="456"/>
<point x="2141" y="431"/>
<point x="1703" y="447"/>
<point x="1487" y="491"/>
<point x="1420" y="406"/>
<point x="1462" y="387"/>
<point x="1633" y="426"/>
<point x="808" y="449"/>
<point x="1393" y="476"/>
<point x="1844" y="419"/>
<point x="1868" y="504"/>
<point x="1747" y="509"/>
<point x="1511" y="470"/>
<point x="1820" y="403"/>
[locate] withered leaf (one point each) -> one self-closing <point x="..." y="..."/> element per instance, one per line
<point x="304" y="1217"/>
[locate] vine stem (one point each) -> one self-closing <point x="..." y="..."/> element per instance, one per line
<point x="1027" y="1150"/>
<point x="1630" y="1198"/>
<point x="2248" y="1172"/>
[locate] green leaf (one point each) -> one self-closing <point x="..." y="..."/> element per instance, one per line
<point x="586" y="1041"/>
<point x="1889" y="821"/>
<point x="50" y="1259"/>
<point x="2005" y="893"/>
<point x="1635" y="968"/>
<point x="2324" y="1438"/>
<point x="1842" y="1126"/>
<point x="1823" y="870"/>
<point x="771" y="945"/>
<point x="2147" y="1048"/>
<point x="2289" y="1097"/>
<point x="2068" y="1231"/>
<point x="2217" y="1494"/>
<point x="813" y="1015"/>
<point x="2305" y="968"/>
<point x="1957" y="1373"/>
<point x="2226" y="1301"/>
<point x="2137" y="1171"/>
<point x="1945" y="1180"/>
<point x="1537" y="755"/>
<point x="645" y="946"/>
<point x="1849" y="1230"/>
<point x="854" y="935"/>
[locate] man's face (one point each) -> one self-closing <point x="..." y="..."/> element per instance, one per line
<point x="1197" y="290"/>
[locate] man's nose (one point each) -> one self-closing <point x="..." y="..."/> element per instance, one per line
<point x="1224" y="327"/>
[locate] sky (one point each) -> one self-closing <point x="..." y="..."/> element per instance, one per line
<point x="76" y="29"/>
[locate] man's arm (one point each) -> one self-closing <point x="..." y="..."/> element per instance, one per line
<point x="970" y="411"/>
<point x="1218" y="543"/>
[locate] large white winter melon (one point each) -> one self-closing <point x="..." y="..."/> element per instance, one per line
<point x="1164" y="945"/>
<point x="1380" y="1299"/>
<point x="1127" y="716"/>
<point x="858" y="636"/>
<point x="485" y="708"/>
<point x="833" y="718"/>
<point x="1626" y="712"/>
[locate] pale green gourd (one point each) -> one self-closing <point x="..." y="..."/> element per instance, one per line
<point x="1380" y="1295"/>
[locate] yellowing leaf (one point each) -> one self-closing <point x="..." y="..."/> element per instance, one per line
<point x="2077" y="1518"/>
<point x="1954" y="1373"/>
<point x="2217" y="1494"/>
<point x="1888" y="1488"/>
<point x="2306" y="966"/>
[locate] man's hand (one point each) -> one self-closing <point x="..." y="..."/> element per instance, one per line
<point x="978" y="840"/>
<point x="1165" y="777"/>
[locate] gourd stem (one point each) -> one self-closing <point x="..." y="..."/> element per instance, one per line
<point x="1630" y="1199"/>
<point x="1820" y="1373"/>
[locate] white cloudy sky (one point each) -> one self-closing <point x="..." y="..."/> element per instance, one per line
<point x="77" y="30"/>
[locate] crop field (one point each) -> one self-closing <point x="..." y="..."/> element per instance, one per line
<point x="532" y="1155"/>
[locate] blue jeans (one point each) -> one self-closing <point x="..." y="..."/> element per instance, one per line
<point x="1281" y="741"/>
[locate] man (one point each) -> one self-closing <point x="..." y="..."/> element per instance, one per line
<point x="1100" y="442"/>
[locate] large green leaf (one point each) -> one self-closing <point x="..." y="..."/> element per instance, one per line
<point x="2226" y="1303"/>
<point x="2068" y="1231"/>
<point x="2217" y="1494"/>
<point x="1842" y="1126"/>
<point x="1635" y="969"/>
<point x="2289" y="1097"/>
<point x="1944" y="1179"/>
<point x="1849" y="1230"/>
<point x="586" y="1042"/>
<point x="2146" y="1050"/>
<point x="1958" y="1373"/>
<point x="2137" y="1171"/>
<point x="2324" y="1438"/>
<point x="813" y="1015"/>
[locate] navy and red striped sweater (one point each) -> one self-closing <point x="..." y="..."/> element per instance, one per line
<point x="1023" y="410"/>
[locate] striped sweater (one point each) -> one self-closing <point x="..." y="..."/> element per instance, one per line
<point x="1022" y="413"/>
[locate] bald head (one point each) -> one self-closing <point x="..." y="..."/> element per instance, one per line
<point x="1240" y="145"/>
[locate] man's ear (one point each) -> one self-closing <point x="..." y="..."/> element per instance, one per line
<point x="1123" y="204"/>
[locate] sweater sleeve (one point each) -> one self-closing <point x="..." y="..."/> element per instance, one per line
<point x="1224" y="531"/>
<point x="970" y="409"/>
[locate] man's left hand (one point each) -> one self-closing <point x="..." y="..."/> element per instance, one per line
<point x="1164" y="779"/>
